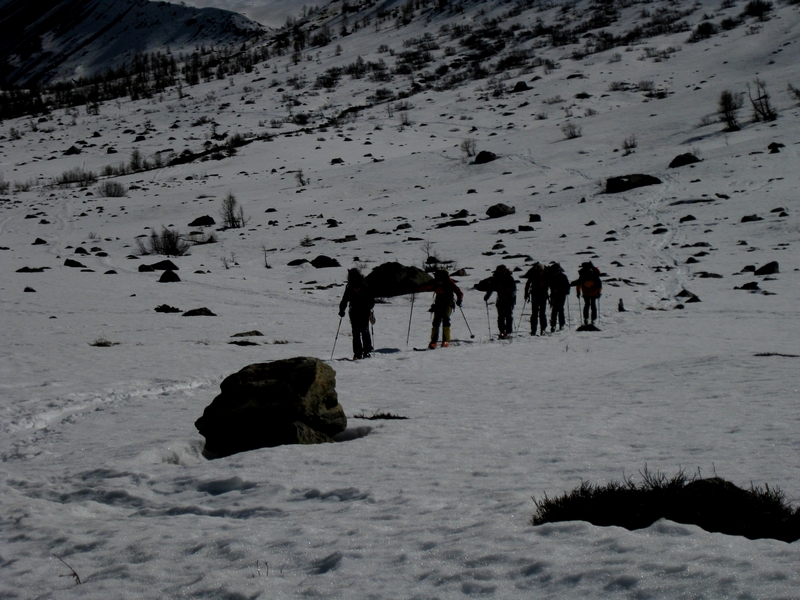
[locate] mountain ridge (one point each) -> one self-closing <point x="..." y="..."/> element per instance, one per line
<point x="68" y="38"/>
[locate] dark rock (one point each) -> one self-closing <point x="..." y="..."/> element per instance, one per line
<point x="693" y="298"/>
<point x="629" y="182"/>
<point x="254" y="333"/>
<point x="770" y="268"/>
<point x="297" y="262"/>
<point x="659" y="230"/>
<point x="500" y="210"/>
<point x="243" y="343"/>
<point x="332" y="223"/>
<point x="462" y="214"/>
<point x="749" y="269"/>
<point x="750" y="286"/>
<point x="166" y="308"/>
<point x="39" y="242"/>
<point x="521" y="86"/>
<point x="775" y="147"/>
<point x="687" y="218"/>
<point x="81" y="250"/>
<point x="403" y="226"/>
<point x="534" y="218"/>
<point x="683" y="159"/>
<point x="164" y="265"/>
<point x="146" y="269"/>
<point x="269" y="404"/>
<point x="204" y="221"/>
<point x="337" y="161"/>
<point x="72" y="150"/>
<point x="32" y="270"/>
<point x="484" y="156"/>
<point x="454" y="223"/>
<point x="169" y="276"/>
<point x="325" y="262"/>
<point x="751" y="218"/>
<point x="74" y="264"/>
<point x="525" y="228"/>
<point x="199" y="312"/>
<point x="29" y="289"/>
<point x="110" y="272"/>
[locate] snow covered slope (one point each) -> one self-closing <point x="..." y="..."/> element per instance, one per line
<point x="62" y="39"/>
<point x="100" y="463"/>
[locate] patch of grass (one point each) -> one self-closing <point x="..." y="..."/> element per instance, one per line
<point x="378" y="416"/>
<point x="103" y="342"/>
<point x="713" y="504"/>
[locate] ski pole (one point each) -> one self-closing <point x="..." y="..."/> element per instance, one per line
<point x="569" y="318"/>
<point x="337" y="336"/>
<point x="522" y="312"/>
<point x="489" y="319"/>
<point x="408" y="335"/>
<point x="471" y="335"/>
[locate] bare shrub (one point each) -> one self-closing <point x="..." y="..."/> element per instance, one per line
<point x="794" y="91"/>
<point x="75" y="176"/>
<point x="468" y="147"/>
<point x="629" y="144"/>
<point x="762" y="109"/>
<point x="168" y="242"/>
<point x="232" y="213"/>
<point x="728" y="108"/>
<point x="571" y="131"/>
<point x="111" y="189"/>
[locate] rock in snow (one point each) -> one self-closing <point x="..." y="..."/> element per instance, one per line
<point x="291" y="401"/>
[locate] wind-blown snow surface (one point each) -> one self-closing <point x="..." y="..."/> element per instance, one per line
<point x="102" y="465"/>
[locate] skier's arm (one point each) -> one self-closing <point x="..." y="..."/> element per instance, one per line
<point x="343" y="303"/>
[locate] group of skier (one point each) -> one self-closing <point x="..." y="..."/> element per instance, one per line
<point x="543" y="284"/>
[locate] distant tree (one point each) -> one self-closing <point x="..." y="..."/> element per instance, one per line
<point x="232" y="213"/>
<point x="762" y="109"/>
<point x="728" y="108"/>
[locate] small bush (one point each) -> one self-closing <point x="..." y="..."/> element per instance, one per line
<point x="76" y="176"/>
<point x="703" y="31"/>
<point x="629" y="144"/>
<point x="231" y="213"/>
<point x="712" y="503"/>
<point x="103" y="342"/>
<point x="757" y="8"/>
<point x="168" y="242"/>
<point x="111" y="189"/>
<point x="728" y="108"/>
<point x="571" y="131"/>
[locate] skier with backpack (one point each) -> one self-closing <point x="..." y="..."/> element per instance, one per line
<point x="361" y="302"/>
<point x="558" y="284"/>
<point x="591" y="287"/>
<point x="536" y="293"/>
<point x="502" y="282"/>
<point x="447" y="295"/>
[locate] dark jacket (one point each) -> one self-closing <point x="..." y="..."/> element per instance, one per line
<point x="360" y="299"/>
<point x="504" y="285"/>
<point x="447" y="292"/>
<point x="558" y="283"/>
<point x="536" y="286"/>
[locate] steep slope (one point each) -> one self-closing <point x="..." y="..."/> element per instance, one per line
<point x="60" y="39"/>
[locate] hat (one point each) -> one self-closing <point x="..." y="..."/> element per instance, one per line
<point x="441" y="275"/>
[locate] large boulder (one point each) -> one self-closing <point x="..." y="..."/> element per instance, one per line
<point x="271" y="404"/>
<point x="771" y="268"/>
<point x="484" y="156"/>
<point x="683" y="159"/>
<point x="500" y="210"/>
